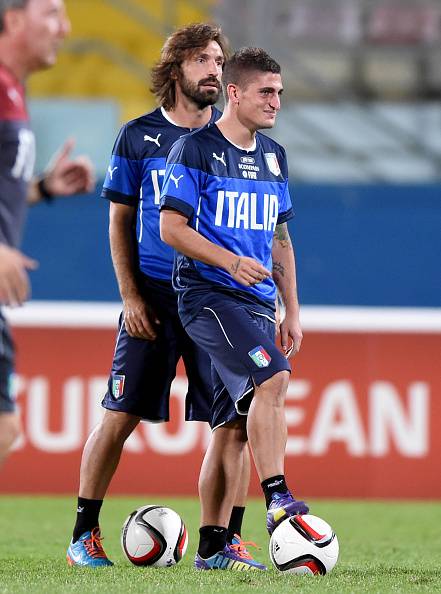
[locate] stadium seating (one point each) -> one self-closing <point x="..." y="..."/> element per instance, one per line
<point x="113" y="45"/>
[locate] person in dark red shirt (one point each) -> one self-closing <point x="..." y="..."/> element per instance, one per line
<point x="31" y="33"/>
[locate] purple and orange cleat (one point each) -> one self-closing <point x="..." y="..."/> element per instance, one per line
<point x="282" y="506"/>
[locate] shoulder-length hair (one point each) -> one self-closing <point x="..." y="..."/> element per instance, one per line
<point x="181" y="45"/>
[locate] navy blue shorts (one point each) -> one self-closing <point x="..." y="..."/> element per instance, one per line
<point x="143" y="370"/>
<point x="7" y="401"/>
<point x="241" y="343"/>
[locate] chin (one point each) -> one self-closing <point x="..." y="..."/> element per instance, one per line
<point x="267" y="124"/>
<point x="212" y="95"/>
<point x="207" y="100"/>
<point x="45" y="62"/>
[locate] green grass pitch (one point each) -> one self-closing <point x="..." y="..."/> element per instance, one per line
<point x="384" y="547"/>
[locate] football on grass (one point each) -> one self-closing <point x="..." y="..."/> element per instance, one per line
<point x="305" y="545"/>
<point x="154" y="535"/>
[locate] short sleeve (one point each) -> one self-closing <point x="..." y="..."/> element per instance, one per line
<point x="183" y="178"/>
<point x="123" y="182"/>
<point x="285" y="206"/>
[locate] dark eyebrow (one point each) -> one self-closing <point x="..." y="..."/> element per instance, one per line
<point x="271" y="90"/>
<point x="206" y="55"/>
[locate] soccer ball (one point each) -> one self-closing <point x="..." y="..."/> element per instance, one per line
<point x="154" y="535"/>
<point x="305" y="545"/>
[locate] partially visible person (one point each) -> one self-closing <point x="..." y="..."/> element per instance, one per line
<point x="150" y="337"/>
<point x="224" y="207"/>
<point x="31" y="33"/>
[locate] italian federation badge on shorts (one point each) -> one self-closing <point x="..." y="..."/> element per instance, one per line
<point x="118" y="385"/>
<point x="260" y="356"/>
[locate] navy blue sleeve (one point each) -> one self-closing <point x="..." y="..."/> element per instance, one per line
<point x="183" y="178"/>
<point x="123" y="178"/>
<point x="285" y="207"/>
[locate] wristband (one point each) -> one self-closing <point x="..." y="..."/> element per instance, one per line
<point x="46" y="195"/>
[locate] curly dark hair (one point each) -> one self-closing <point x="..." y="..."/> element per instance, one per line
<point x="181" y="44"/>
<point x="239" y="69"/>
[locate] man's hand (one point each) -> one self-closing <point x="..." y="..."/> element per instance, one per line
<point x="280" y="311"/>
<point x="248" y="271"/>
<point x="65" y="176"/>
<point x="290" y="335"/>
<point x="14" y="280"/>
<point x="139" y="319"/>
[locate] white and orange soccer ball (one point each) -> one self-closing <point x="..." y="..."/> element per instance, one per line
<point x="304" y="545"/>
<point x="154" y="535"/>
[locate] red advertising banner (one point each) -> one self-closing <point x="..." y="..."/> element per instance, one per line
<point x="363" y="412"/>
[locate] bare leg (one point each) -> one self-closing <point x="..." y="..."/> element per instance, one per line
<point x="102" y="452"/>
<point x="9" y="431"/>
<point x="221" y="473"/>
<point x="266" y="425"/>
<point x="244" y="481"/>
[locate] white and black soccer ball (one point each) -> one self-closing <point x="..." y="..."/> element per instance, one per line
<point x="154" y="535"/>
<point x="304" y="545"/>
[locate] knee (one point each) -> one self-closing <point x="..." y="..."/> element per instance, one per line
<point x="232" y="434"/>
<point x="275" y="388"/>
<point x="118" y="424"/>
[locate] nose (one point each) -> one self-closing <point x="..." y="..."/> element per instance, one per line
<point x="214" y="68"/>
<point x="275" y="101"/>
<point x="65" y="26"/>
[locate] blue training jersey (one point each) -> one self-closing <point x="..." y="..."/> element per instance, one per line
<point x="234" y="198"/>
<point x="134" y="177"/>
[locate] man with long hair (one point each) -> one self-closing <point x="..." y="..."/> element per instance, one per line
<point x="151" y="339"/>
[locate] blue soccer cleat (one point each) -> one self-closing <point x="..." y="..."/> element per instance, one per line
<point x="232" y="557"/>
<point x="282" y="506"/>
<point x="88" y="551"/>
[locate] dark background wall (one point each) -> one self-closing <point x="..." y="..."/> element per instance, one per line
<point x="355" y="245"/>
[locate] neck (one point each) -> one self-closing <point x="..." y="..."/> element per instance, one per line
<point x="233" y="129"/>
<point x="10" y="57"/>
<point x="188" y="115"/>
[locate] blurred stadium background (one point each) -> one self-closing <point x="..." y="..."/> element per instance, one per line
<point x="361" y="122"/>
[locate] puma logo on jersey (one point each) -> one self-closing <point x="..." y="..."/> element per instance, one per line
<point x="150" y="139"/>
<point x="176" y="179"/>
<point x="111" y="172"/>
<point x="221" y="158"/>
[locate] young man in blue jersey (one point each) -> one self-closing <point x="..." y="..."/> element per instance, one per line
<point x="150" y="340"/>
<point x="31" y="33"/>
<point x="224" y="206"/>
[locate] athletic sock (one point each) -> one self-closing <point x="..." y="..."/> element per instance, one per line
<point x="212" y="539"/>
<point x="235" y="525"/>
<point x="88" y="512"/>
<point x="274" y="484"/>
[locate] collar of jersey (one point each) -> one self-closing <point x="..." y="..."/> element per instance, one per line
<point x="241" y="148"/>
<point x="169" y="119"/>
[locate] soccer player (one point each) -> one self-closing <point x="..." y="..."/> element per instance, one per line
<point x="224" y="207"/>
<point x="31" y="32"/>
<point x="150" y="339"/>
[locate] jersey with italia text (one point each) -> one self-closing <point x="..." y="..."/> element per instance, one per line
<point x="234" y="198"/>
<point x="17" y="156"/>
<point x="134" y="177"/>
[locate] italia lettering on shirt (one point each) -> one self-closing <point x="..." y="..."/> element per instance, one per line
<point x="241" y="210"/>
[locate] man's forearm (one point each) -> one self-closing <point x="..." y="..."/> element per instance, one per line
<point x="123" y="254"/>
<point x="284" y="268"/>
<point x="34" y="195"/>
<point x="184" y="239"/>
